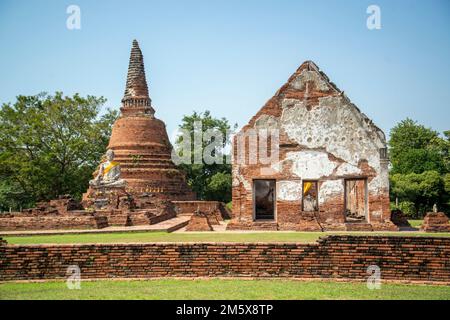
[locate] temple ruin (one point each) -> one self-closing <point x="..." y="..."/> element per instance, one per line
<point x="309" y="160"/>
<point x="136" y="183"/>
<point x="141" y="146"/>
<point x="332" y="167"/>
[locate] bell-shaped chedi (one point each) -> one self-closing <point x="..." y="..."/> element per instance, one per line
<point x="140" y="143"/>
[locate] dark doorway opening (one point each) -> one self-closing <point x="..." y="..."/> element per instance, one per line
<point x="264" y="199"/>
<point x="356" y="200"/>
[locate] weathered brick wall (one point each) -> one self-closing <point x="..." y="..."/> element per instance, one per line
<point x="348" y="257"/>
<point x="199" y="222"/>
<point x="189" y="207"/>
<point x="25" y="222"/>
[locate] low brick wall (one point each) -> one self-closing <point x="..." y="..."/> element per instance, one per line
<point x="73" y="221"/>
<point x="422" y="259"/>
<point x="190" y="207"/>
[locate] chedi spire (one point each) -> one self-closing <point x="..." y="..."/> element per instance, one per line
<point x="136" y="100"/>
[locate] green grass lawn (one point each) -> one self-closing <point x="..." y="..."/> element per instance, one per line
<point x="415" y="223"/>
<point x="303" y="237"/>
<point x="169" y="289"/>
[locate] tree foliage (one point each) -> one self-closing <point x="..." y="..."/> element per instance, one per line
<point x="415" y="149"/>
<point x="420" y="166"/>
<point x="424" y="189"/>
<point x="209" y="181"/>
<point x="50" y="145"/>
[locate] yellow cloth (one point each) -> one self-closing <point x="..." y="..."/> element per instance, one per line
<point x="111" y="165"/>
<point x="307" y="187"/>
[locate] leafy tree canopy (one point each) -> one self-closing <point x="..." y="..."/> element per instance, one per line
<point x="209" y="181"/>
<point x="415" y="149"/>
<point x="50" y="145"/>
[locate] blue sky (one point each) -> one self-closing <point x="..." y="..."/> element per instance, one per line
<point x="231" y="56"/>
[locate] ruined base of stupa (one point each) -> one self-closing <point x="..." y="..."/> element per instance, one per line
<point x="435" y="222"/>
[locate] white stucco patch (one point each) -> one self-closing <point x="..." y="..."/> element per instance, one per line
<point x="266" y="122"/>
<point x="348" y="169"/>
<point x="289" y="190"/>
<point x="376" y="185"/>
<point x="329" y="189"/>
<point x="309" y="164"/>
<point x="334" y="125"/>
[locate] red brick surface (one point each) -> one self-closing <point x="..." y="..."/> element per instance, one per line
<point x="73" y="221"/>
<point x="435" y="222"/>
<point x="199" y="222"/>
<point x="333" y="257"/>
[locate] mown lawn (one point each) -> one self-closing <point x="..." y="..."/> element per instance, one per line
<point x="171" y="289"/>
<point x="302" y="237"/>
<point x="415" y="223"/>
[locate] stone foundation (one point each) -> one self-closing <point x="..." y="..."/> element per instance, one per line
<point x="308" y="221"/>
<point x="422" y="259"/>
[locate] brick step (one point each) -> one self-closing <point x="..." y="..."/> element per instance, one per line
<point x="266" y="225"/>
<point x="164" y="156"/>
<point x="147" y="160"/>
<point x="144" y="166"/>
<point x="358" y="227"/>
<point x="140" y="170"/>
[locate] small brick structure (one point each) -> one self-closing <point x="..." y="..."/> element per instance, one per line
<point x="199" y="222"/>
<point x="204" y="214"/>
<point x="422" y="259"/>
<point x="215" y="207"/>
<point x="435" y="222"/>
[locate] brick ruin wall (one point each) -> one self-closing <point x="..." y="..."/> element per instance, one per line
<point x="322" y="137"/>
<point x="422" y="259"/>
<point x="84" y="221"/>
<point x="54" y="215"/>
<point x="204" y="214"/>
<point x="215" y="211"/>
<point x="63" y="214"/>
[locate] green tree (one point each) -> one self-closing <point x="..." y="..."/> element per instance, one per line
<point x="424" y="189"/>
<point x="211" y="181"/>
<point x="50" y="145"/>
<point x="441" y="146"/>
<point x="415" y="149"/>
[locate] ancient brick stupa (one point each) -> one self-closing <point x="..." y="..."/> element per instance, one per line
<point x="140" y="145"/>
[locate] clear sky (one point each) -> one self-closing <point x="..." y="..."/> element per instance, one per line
<point x="231" y="56"/>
